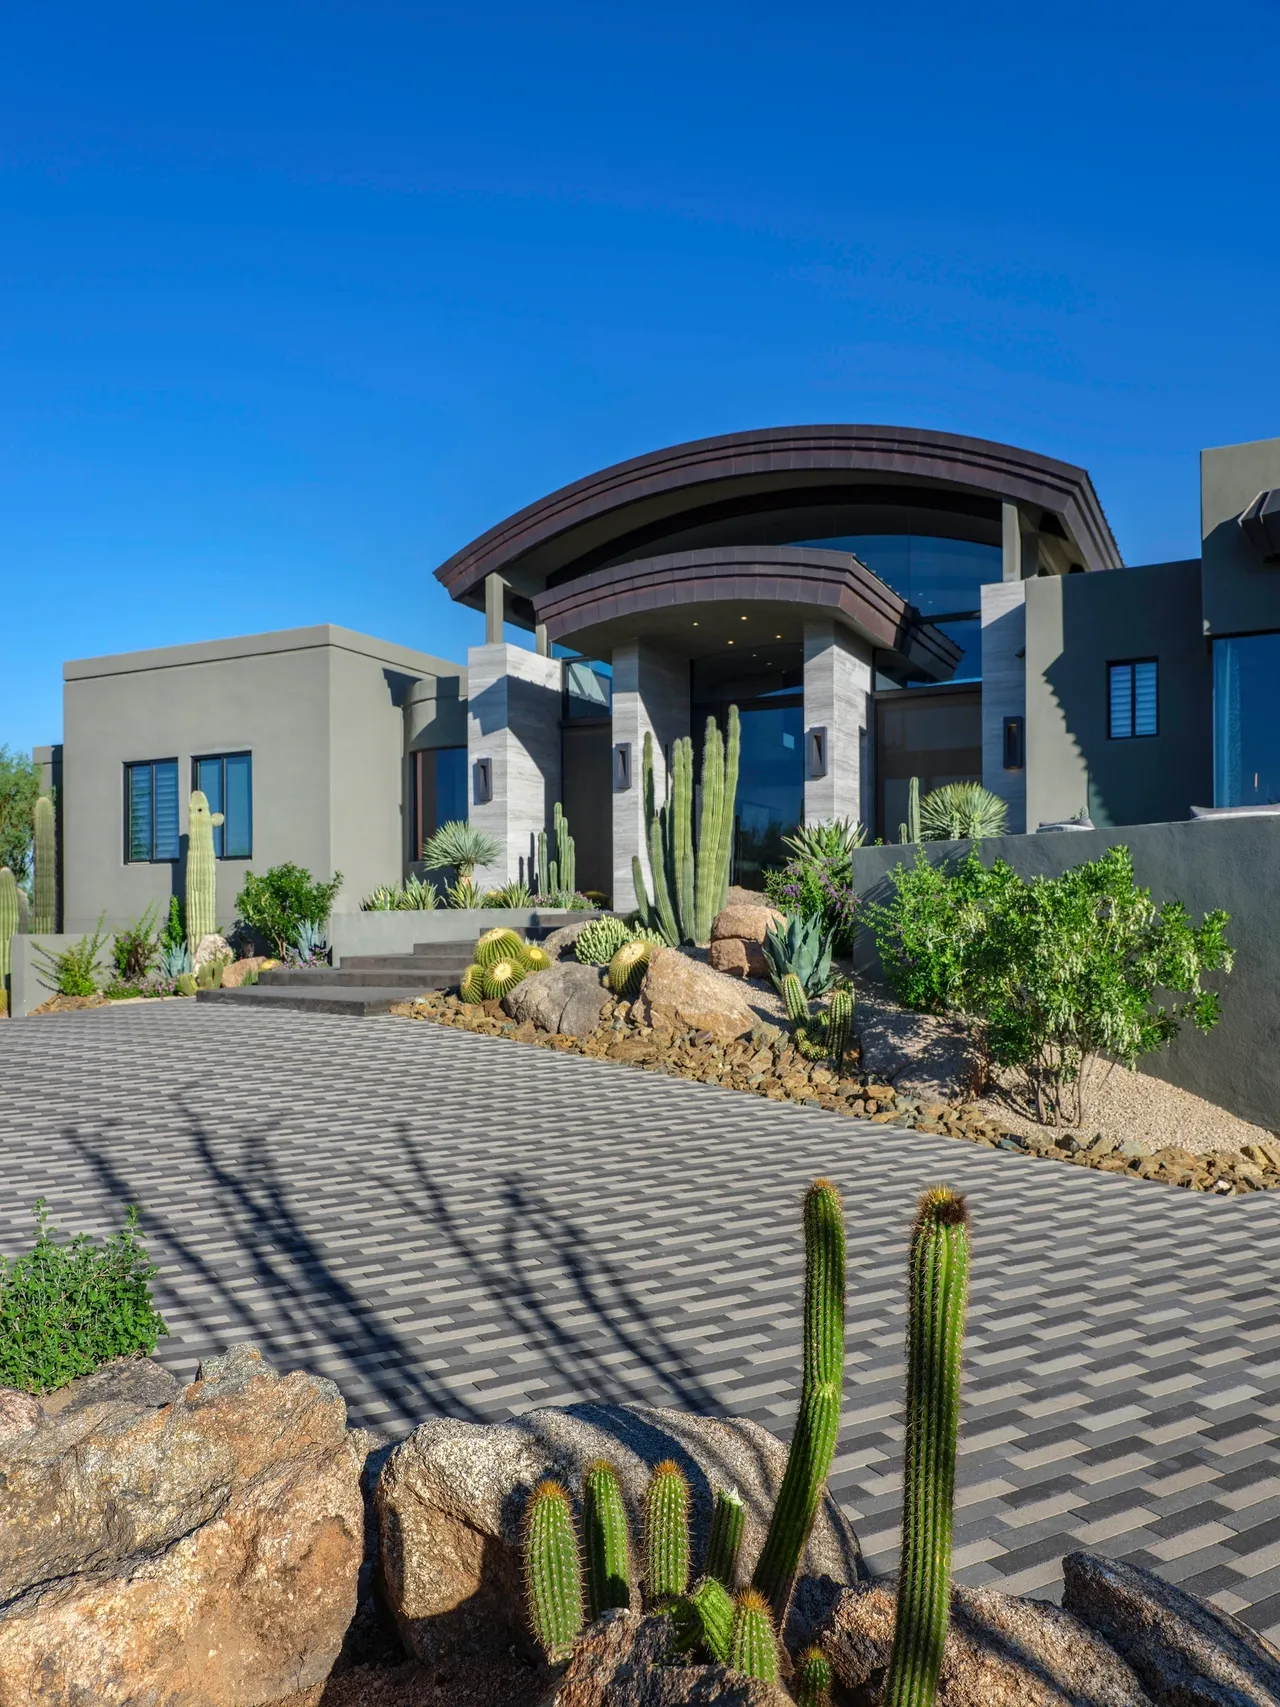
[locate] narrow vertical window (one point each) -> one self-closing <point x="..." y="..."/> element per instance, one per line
<point x="226" y="781"/>
<point x="1133" y="699"/>
<point x="151" y="810"/>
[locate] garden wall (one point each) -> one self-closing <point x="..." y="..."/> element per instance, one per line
<point x="1232" y="863"/>
<point x="396" y="933"/>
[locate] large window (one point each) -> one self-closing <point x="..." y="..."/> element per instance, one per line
<point x="770" y="798"/>
<point x="226" y="781"/>
<point x="1246" y="720"/>
<point x="1132" y="699"/>
<point x="151" y="810"/>
<point x="439" y="791"/>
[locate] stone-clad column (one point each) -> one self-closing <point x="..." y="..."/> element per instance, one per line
<point x="837" y="724"/>
<point x="513" y="723"/>
<point x="1004" y="693"/>
<point x="650" y="695"/>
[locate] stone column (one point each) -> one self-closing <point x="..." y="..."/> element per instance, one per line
<point x="837" y="725"/>
<point x="1004" y="693"/>
<point x="650" y="695"/>
<point x="513" y="736"/>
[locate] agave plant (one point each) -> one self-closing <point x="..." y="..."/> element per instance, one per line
<point x="834" y="840"/>
<point x="175" y="959"/>
<point x="460" y="845"/>
<point x="962" y="810"/>
<point x="802" y="948"/>
<point x="514" y="894"/>
<point x="383" y="899"/>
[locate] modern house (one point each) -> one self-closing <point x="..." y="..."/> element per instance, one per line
<point x="880" y="603"/>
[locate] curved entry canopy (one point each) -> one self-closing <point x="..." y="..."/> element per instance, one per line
<point x="783" y="486"/>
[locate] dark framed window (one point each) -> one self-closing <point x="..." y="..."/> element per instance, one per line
<point x="1132" y="699"/>
<point x="151" y="811"/>
<point x="439" y="791"/>
<point x="226" y="781"/>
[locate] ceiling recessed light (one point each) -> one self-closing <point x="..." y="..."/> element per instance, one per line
<point x="742" y="619"/>
<point x="777" y="637"/>
<point x="731" y="643"/>
<point x="695" y="625"/>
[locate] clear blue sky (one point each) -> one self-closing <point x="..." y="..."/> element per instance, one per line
<point x="295" y="299"/>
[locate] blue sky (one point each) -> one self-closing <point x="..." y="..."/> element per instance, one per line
<point x="296" y="299"/>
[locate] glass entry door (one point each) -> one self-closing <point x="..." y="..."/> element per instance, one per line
<point x="770" y="800"/>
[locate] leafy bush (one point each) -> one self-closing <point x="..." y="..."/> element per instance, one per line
<point x="74" y="971"/>
<point x="19" y="789"/>
<point x="960" y="810"/>
<point x="1058" y="969"/>
<point x="817" y="880"/>
<point x="276" y="905"/>
<point x="66" y="1308"/>
<point x="135" y="949"/>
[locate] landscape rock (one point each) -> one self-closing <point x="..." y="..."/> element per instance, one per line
<point x="747" y="923"/>
<point x="450" y="1498"/>
<point x="1000" y="1652"/>
<point x="233" y="976"/>
<point x="18" y="1412"/>
<point x="204" y="1552"/>
<point x="682" y="993"/>
<point x="622" y="1661"/>
<point x="212" y="947"/>
<point x="738" y="958"/>
<point x="561" y="940"/>
<point x="921" y="1055"/>
<point x="125" y="1380"/>
<point x="567" y="998"/>
<point x="1186" y="1653"/>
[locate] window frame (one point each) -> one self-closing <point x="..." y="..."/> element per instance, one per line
<point x="1131" y="664"/>
<point x="129" y="768"/>
<point x="219" y="830"/>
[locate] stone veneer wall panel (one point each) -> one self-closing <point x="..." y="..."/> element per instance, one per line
<point x="650" y="696"/>
<point x="513" y="720"/>
<point x="837" y="688"/>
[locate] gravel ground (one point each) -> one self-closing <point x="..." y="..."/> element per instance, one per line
<point x="1124" y="1104"/>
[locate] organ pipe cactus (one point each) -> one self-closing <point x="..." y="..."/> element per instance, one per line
<point x="553" y="1574"/>
<point x="689" y="883"/>
<point x="839" y="1019"/>
<point x="794" y="999"/>
<point x="728" y="1519"/>
<point x="813" y="1679"/>
<point x="910" y="831"/>
<point x="753" y="1647"/>
<point x="712" y="1609"/>
<point x="606" y="1544"/>
<point x="202" y="871"/>
<point x="8" y="920"/>
<point x="501" y="943"/>
<point x="938" y="1293"/>
<point x="44" y="887"/>
<point x="818" y="1424"/>
<point x="666" y="1532"/>
<point x="564" y="873"/>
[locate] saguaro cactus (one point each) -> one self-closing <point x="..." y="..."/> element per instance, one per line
<point x="45" y="884"/>
<point x="728" y="1519"/>
<point x="553" y="1576"/>
<point x="606" y="1544"/>
<point x="689" y="884"/>
<point x="939" y="1285"/>
<point x="202" y="871"/>
<point x="814" y="1442"/>
<point x="913" y="809"/>
<point x="753" y="1647"/>
<point x="8" y="919"/>
<point x="666" y="1532"/>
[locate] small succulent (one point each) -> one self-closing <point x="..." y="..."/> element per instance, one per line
<point x="600" y="940"/>
<point x="175" y="958"/>
<point x="502" y="975"/>
<point x="501" y="943"/>
<point x="471" y="989"/>
<point x="628" y="966"/>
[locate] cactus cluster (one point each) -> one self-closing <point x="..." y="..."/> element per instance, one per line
<point x="559" y="875"/>
<point x="599" y="940"/>
<point x="44" y="884"/>
<point x="202" y="871"/>
<point x="818" y="1036"/>
<point x="689" y="881"/>
<point x="499" y="961"/>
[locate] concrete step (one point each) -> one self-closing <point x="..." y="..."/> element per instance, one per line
<point x="357" y="1001"/>
<point x="345" y="977"/>
<point x="406" y="962"/>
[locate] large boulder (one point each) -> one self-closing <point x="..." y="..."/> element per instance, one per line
<point x="450" y="1499"/>
<point x="233" y="976"/>
<point x="736" y="937"/>
<point x="623" y="1660"/>
<point x="685" y="995"/>
<point x="567" y="998"/>
<point x="1000" y="1652"/>
<point x="920" y="1055"/>
<point x="19" y="1412"/>
<point x="124" y="1381"/>
<point x="203" y="1552"/>
<point x="212" y="947"/>
<point x="561" y="940"/>
<point x="1186" y="1653"/>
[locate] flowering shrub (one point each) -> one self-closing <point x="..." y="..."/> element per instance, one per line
<point x="818" y="886"/>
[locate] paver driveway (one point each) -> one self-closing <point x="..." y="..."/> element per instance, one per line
<point x="447" y="1222"/>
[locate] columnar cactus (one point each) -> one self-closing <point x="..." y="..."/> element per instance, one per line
<point x="712" y="1608"/>
<point x="913" y="809"/>
<point x="566" y="866"/>
<point x="813" y="1679"/>
<point x="553" y="1575"/>
<point x="606" y="1543"/>
<point x="818" y="1423"/>
<point x="839" y="1019"/>
<point x="728" y="1518"/>
<point x="794" y="998"/>
<point x="753" y="1647"/>
<point x="45" y="859"/>
<point x="24" y="914"/>
<point x="938" y="1293"/>
<point x="689" y="886"/>
<point x="666" y="1532"/>
<point x="8" y="919"/>
<point x="202" y="871"/>
<point x="812" y="1038"/>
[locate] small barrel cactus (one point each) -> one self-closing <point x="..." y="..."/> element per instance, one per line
<point x="606" y="1542"/>
<point x="628" y="966"/>
<point x="535" y="959"/>
<point x="728" y="1519"/>
<point x="501" y="943"/>
<point x="471" y="988"/>
<point x="793" y="995"/>
<point x="552" y="1572"/>
<point x="599" y="940"/>
<point x="813" y="1679"/>
<point x="753" y="1647"/>
<point x="666" y="1513"/>
<point x="501" y="976"/>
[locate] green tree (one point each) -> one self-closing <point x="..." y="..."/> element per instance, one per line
<point x="19" y="788"/>
<point x="278" y="903"/>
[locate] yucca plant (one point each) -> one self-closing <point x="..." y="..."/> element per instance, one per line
<point x="514" y="894"/>
<point x="962" y="811"/>
<point x="461" y="846"/>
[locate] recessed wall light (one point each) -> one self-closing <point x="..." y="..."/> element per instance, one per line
<point x="742" y="619"/>
<point x="731" y="643"/>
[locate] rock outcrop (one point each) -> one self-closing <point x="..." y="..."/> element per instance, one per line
<point x="683" y="994"/>
<point x="567" y="998"/>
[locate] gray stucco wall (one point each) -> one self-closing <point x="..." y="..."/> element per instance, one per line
<point x="1241" y="590"/>
<point x="320" y="709"/>
<point x="1075" y="626"/>
<point x="1231" y="863"/>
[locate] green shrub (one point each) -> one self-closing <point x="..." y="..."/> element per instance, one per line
<point x="281" y="901"/>
<point x="19" y="791"/>
<point x="67" y="1308"/>
<point x="74" y="971"/>
<point x="817" y="880"/>
<point x="135" y="949"/>
<point x="928" y="933"/>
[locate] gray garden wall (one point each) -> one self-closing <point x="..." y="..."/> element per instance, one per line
<point x="396" y="933"/>
<point x="1231" y="863"/>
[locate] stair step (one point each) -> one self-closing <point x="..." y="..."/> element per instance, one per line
<point x="343" y="977"/>
<point x="405" y="962"/>
<point x="355" y="1001"/>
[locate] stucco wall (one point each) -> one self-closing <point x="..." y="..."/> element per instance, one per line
<point x="1231" y="863"/>
<point x="1241" y="590"/>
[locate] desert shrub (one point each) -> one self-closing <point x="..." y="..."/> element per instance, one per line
<point x="73" y="971"/>
<point x="277" y="904"/>
<point x="67" y="1307"/>
<point x="135" y="949"/>
<point x="817" y="880"/>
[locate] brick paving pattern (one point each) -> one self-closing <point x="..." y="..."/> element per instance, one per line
<point x="447" y="1222"/>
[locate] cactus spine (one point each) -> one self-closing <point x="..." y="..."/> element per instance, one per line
<point x="713" y="1608"/>
<point x="605" y="1541"/>
<point x="913" y="809"/>
<point x="797" y="1003"/>
<point x="553" y="1576"/>
<point x="813" y="1679"/>
<point x="45" y="885"/>
<point x="202" y="871"/>
<point x="666" y="1514"/>
<point x="938" y="1292"/>
<point x="839" y="1019"/>
<point x="689" y="886"/>
<point x="814" y="1442"/>
<point x="728" y="1518"/>
<point x="8" y="919"/>
<point x="753" y="1647"/>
